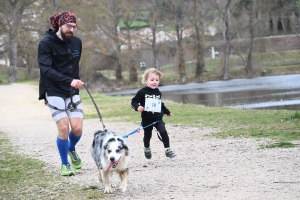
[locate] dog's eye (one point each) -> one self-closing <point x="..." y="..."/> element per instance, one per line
<point x="109" y="151"/>
<point x="118" y="150"/>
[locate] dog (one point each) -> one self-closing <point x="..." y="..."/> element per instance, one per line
<point x="111" y="154"/>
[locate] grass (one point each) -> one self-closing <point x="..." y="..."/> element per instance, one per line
<point x="133" y="24"/>
<point x="4" y="78"/>
<point x="278" y="125"/>
<point x="281" y="145"/>
<point x="22" y="177"/>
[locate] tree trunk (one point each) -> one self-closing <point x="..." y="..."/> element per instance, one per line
<point x="132" y="69"/>
<point x="119" y="75"/>
<point x="133" y="74"/>
<point x="275" y="21"/>
<point x="226" y="14"/>
<point x="226" y="61"/>
<point x="226" y="42"/>
<point x="199" y="27"/>
<point x="154" y="47"/>
<point x="252" y="25"/>
<point x="181" y="62"/>
<point x="13" y="61"/>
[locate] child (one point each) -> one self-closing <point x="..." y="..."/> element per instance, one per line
<point x="148" y="101"/>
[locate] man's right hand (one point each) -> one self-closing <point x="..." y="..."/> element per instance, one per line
<point x="76" y="83"/>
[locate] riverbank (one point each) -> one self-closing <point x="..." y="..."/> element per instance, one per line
<point x="270" y="92"/>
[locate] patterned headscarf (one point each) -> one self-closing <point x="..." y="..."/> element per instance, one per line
<point x="60" y="19"/>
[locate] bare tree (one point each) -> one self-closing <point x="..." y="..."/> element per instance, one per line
<point x="154" y="8"/>
<point x="130" y="14"/>
<point x="102" y="29"/>
<point x="197" y="18"/>
<point x="225" y="9"/>
<point x="243" y="46"/>
<point x="250" y="8"/>
<point x="257" y="12"/>
<point x="280" y="15"/>
<point x="177" y="12"/>
<point x="11" y="14"/>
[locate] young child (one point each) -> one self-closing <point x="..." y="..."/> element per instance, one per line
<point x="148" y="101"/>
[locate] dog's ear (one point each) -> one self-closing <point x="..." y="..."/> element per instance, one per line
<point x="123" y="145"/>
<point x="109" y="141"/>
<point x="97" y="133"/>
<point x="105" y="146"/>
<point x="126" y="149"/>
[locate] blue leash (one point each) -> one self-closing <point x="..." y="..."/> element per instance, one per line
<point x="137" y="130"/>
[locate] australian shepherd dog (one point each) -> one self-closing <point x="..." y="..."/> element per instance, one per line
<point x="111" y="154"/>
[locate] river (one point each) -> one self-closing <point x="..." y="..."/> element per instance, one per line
<point x="270" y="92"/>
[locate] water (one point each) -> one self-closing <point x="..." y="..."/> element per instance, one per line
<point x="272" y="92"/>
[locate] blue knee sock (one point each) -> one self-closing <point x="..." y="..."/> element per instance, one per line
<point x="63" y="147"/>
<point x="73" y="140"/>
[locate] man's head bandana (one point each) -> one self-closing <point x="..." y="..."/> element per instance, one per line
<point x="60" y="19"/>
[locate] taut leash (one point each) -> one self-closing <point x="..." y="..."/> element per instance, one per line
<point x="138" y="130"/>
<point x="100" y="117"/>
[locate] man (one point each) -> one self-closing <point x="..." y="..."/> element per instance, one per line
<point x="59" y="54"/>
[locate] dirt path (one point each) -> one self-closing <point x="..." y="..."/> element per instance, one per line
<point x="203" y="169"/>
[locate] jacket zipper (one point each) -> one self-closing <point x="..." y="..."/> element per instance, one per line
<point x="70" y="61"/>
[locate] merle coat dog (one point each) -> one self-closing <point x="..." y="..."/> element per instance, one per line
<point x="111" y="154"/>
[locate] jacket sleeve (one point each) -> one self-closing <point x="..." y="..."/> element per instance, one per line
<point x="165" y="109"/>
<point x="136" y="100"/>
<point x="45" y="60"/>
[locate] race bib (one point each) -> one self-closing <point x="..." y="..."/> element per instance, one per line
<point x="152" y="105"/>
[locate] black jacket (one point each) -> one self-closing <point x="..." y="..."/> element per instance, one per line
<point x="59" y="65"/>
<point x="139" y="100"/>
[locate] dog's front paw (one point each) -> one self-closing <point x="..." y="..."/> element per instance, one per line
<point x="113" y="185"/>
<point x="123" y="188"/>
<point x="108" y="190"/>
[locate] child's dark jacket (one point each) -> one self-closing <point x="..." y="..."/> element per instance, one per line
<point x="139" y="100"/>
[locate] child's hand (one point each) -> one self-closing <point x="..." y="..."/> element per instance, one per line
<point x="140" y="109"/>
<point x="169" y="115"/>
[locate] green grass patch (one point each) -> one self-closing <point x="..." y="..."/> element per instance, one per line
<point x="281" y="145"/>
<point x="279" y="125"/>
<point x="4" y="78"/>
<point x="22" y="177"/>
<point x="134" y="24"/>
<point x="294" y="116"/>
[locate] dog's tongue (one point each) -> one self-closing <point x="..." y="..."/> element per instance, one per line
<point x="112" y="163"/>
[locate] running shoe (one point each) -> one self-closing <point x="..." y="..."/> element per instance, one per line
<point x="66" y="170"/>
<point x="170" y="153"/>
<point x="75" y="159"/>
<point x="148" y="153"/>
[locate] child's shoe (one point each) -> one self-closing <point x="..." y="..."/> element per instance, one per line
<point x="148" y="153"/>
<point x="170" y="153"/>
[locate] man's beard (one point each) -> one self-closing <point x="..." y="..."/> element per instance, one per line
<point x="66" y="37"/>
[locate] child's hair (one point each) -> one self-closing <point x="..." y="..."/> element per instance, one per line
<point x="150" y="71"/>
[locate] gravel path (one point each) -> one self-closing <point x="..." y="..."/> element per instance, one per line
<point x="204" y="168"/>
